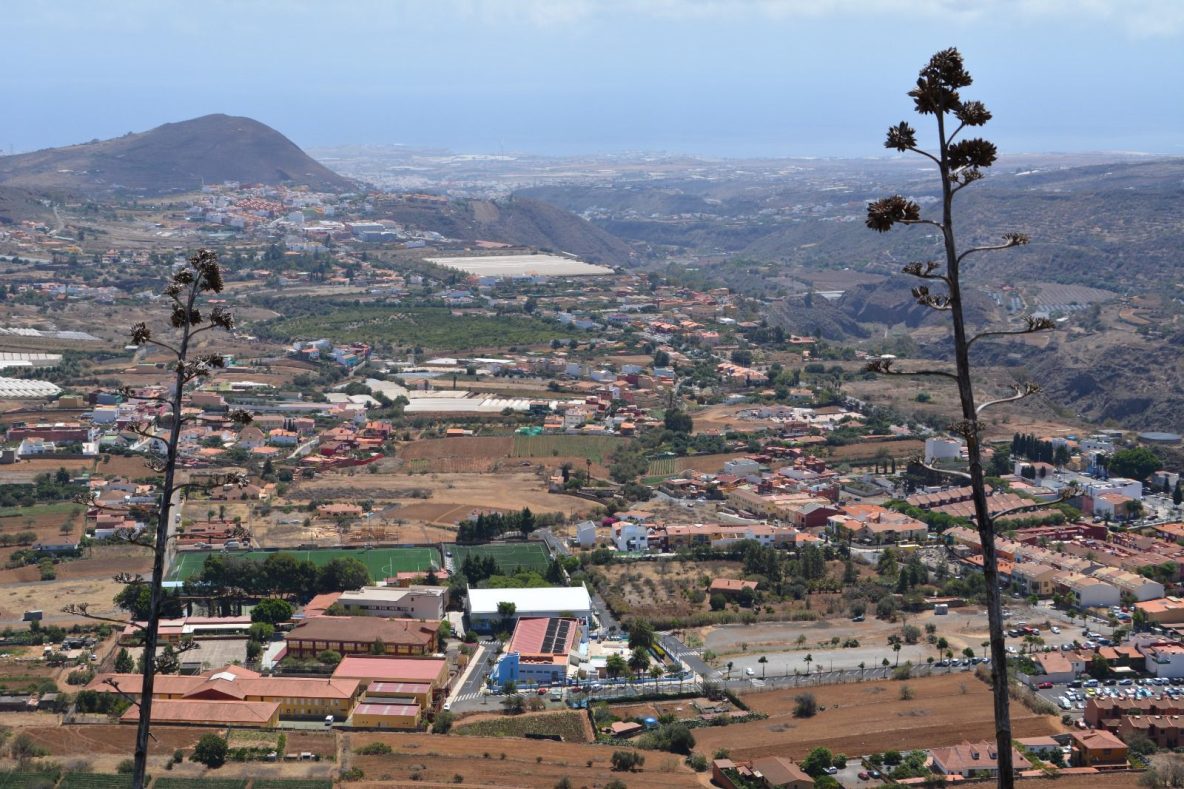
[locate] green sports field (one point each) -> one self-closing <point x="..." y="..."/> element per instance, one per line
<point x="381" y="562"/>
<point x="511" y="557"/>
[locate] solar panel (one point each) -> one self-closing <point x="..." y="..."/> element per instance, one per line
<point x="549" y="637"/>
<point x="560" y="636"/>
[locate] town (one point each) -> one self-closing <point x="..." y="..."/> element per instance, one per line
<point x="499" y="494"/>
<point x="613" y="395"/>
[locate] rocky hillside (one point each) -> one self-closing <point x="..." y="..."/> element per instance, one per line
<point x="175" y="157"/>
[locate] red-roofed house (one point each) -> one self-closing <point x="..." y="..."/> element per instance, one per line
<point x="730" y="586"/>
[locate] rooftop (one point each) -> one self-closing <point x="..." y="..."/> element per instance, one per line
<point x="545" y="600"/>
<point x="357" y="629"/>
<point x="385" y="669"/>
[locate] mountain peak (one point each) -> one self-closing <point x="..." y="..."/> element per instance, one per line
<point x="174" y="157"/>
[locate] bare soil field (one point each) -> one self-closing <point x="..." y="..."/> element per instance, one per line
<point x="1123" y="780"/>
<point x="80" y="581"/>
<point x="503" y="762"/>
<point x="484" y="447"/>
<point x="123" y="466"/>
<point x="707" y="464"/>
<point x="865" y="451"/>
<point x="504" y="491"/>
<point x="439" y="514"/>
<point x="112" y="738"/>
<point x="866" y="717"/>
<point x="717" y="418"/>
<point x="663" y="589"/>
<point x="682" y="709"/>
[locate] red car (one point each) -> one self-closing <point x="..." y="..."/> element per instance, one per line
<point x="543" y="691"/>
<point x="863" y="776"/>
<point x="1044" y="685"/>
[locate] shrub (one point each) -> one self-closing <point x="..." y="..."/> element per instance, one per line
<point x="210" y="751"/>
<point x="906" y="693"/>
<point x="626" y="761"/>
<point x="443" y="723"/>
<point x="126" y="767"/>
<point x="356" y="774"/>
<point x="697" y="762"/>
<point x="374" y="749"/>
<point x="805" y="705"/>
<point x="23" y="748"/>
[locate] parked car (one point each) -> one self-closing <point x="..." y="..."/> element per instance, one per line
<point x="1044" y="685"/>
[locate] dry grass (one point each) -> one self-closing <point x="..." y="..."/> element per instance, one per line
<point x="534" y="764"/>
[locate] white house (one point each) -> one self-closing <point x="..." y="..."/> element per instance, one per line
<point x="630" y="536"/>
<point x="1164" y="660"/>
<point x="586" y="534"/>
<point x="1090" y="592"/>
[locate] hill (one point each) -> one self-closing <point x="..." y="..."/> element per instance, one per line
<point x="175" y="157"/>
<point x="516" y="220"/>
<point x="18" y="205"/>
<point x="1084" y="216"/>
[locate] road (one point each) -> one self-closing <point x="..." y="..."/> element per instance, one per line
<point x="472" y="681"/>
<point x="689" y="657"/>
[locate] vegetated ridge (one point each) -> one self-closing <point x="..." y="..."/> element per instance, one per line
<point x="175" y="157"/>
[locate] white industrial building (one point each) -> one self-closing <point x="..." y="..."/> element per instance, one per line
<point x="942" y="449"/>
<point x="570" y="602"/>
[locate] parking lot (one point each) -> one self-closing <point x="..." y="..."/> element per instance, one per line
<point x="1076" y="693"/>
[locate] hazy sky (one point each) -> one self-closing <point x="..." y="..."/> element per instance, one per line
<point x="715" y="77"/>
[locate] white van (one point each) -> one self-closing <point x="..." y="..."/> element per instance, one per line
<point x="749" y="672"/>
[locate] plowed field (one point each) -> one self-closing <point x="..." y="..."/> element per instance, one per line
<point x="866" y="717"/>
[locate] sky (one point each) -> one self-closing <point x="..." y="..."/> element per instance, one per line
<point x="719" y="78"/>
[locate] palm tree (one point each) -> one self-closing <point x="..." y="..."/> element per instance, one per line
<point x="729" y="676"/>
<point x="763" y="661"/>
<point x="639" y="661"/>
<point x="615" y="666"/>
<point x="896" y="649"/>
<point x="809" y="659"/>
<point x="861" y="665"/>
<point x="655" y="672"/>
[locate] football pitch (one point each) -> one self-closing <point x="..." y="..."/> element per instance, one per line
<point x="509" y="557"/>
<point x="381" y="562"/>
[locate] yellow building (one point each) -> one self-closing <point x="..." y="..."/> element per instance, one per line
<point x="294" y="697"/>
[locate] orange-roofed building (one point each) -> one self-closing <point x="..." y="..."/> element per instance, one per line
<point x="367" y="670"/>
<point x="296" y="697"/>
<point x="253" y="714"/>
<point x="1098" y="748"/>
